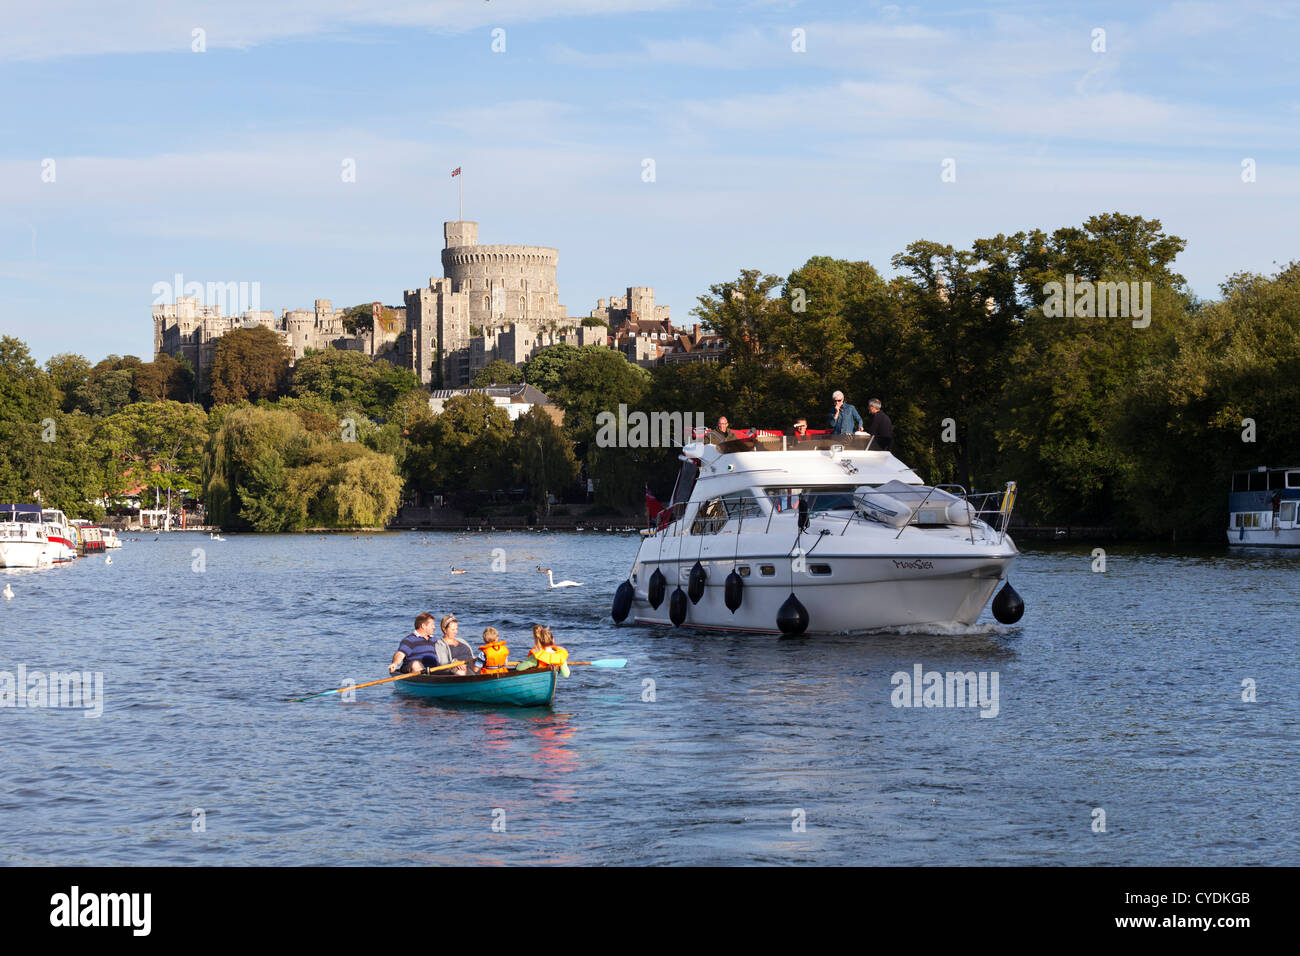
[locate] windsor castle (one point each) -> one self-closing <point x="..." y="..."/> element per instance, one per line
<point x="491" y="302"/>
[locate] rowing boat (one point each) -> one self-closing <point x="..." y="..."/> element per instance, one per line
<point x="531" y="688"/>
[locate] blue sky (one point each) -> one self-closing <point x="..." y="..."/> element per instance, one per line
<point x="225" y="165"/>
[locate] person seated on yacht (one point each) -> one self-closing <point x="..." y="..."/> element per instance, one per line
<point x="881" y="428"/>
<point x="417" y="651"/>
<point x="800" y="429"/>
<point x="449" y="649"/>
<point x="722" y="432"/>
<point x="545" y="653"/>
<point x="845" y="419"/>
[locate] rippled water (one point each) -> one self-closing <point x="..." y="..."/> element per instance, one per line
<point x="1120" y="691"/>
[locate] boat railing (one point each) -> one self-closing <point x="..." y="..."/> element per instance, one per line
<point x="993" y="508"/>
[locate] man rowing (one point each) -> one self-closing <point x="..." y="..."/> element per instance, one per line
<point x="417" y="650"/>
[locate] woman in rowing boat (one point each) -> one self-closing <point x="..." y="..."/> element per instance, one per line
<point x="545" y="653"/>
<point x="449" y="649"/>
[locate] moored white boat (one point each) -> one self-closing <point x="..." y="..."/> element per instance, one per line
<point x="23" y="542"/>
<point x="770" y="534"/>
<point x="59" y="532"/>
<point x="111" y="540"/>
<point x="1264" y="508"/>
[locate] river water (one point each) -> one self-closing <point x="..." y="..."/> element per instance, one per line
<point x="1119" y="693"/>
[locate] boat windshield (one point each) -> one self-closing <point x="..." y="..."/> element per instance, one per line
<point x="824" y="498"/>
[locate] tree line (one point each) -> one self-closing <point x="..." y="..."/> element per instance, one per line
<point x="1133" y="420"/>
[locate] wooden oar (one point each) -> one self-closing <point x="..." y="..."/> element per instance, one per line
<point x="326" y="693"/>
<point x="603" y="662"/>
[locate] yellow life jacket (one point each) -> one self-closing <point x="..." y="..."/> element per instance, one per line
<point x="495" y="656"/>
<point x="552" y="656"/>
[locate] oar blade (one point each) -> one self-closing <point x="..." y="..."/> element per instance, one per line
<point x="610" y="662"/>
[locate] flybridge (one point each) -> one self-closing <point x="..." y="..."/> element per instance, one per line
<point x="758" y="439"/>
<point x="805" y="462"/>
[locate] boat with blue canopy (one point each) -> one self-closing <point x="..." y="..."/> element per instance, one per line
<point x="1264" y="508"/>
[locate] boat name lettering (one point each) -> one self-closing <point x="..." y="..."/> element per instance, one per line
<point x="917" y="565"/>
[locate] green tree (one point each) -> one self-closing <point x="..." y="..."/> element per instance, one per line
<point x="359" y="318"/>
<point x="544" y="369"/>
<point x="343" y="377"/>
<point x="498" y="372"/>
<point x="247" y="364"/>
<point x="158" y="444"/>
<point x="1182" y="421"/>
<point x="471" y="440"/>
<point x="68" y="372"/>
<point x="962" y="311"/>
<point x="543" y="456"/>
<point x="1067" y="378"/>
<point x="164" y="379"/>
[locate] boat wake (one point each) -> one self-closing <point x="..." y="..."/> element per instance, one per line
<point x="943" y="629"/>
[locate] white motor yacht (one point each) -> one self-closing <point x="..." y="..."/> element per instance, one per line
<point x="777" y="535"/>
<point x="23" y="542"/>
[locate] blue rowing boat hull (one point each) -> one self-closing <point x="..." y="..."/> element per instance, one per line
<point x="533" y="688"/>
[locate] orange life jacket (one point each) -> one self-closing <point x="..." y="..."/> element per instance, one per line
<point x="552" y="656"/>
<point x="495" y="655"/>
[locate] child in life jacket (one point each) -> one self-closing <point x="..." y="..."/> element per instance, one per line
<point x="545" y="653"/>
<point x="495" y="652"/>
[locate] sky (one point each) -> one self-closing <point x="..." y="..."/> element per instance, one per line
<point x="653" y="142"/>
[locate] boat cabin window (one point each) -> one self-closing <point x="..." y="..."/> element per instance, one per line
<point x="766" y="570"/>
<point x="823" y="498"/>
<point x="1248" y="519"/>
<point x="1276" y="480"/>
<point x="1293" y="479"/>
<point x="819" y="569"/>
<point x="710" y="518"/>
<point x="741" y="505"/>
<point x="743" y="570"/>
<point x="1287" y="511"/>
<point x="1259" y="481"/>
<point x="685" y="483"/>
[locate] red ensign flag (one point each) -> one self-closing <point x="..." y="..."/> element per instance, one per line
<point x="456" y="171"/>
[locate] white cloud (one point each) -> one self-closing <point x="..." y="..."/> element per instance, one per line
<point x="61" y="28"/>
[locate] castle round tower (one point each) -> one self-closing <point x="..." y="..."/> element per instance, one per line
<point x="505" y="284"/>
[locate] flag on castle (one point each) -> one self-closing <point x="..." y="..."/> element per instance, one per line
<point x="456" y="171"/>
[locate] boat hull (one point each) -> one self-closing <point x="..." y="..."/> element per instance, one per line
<point x="1264" y="537"/>
<point x="533" y="688"/>
<point x="949" y="592"/>
<point x="926" y="578"/>
<point x="25" y="554"/>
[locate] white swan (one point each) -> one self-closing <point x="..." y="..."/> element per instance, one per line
<point x="108" y="559"/>
<point x="558" y="584"/>
<point x="9" y="593"/>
